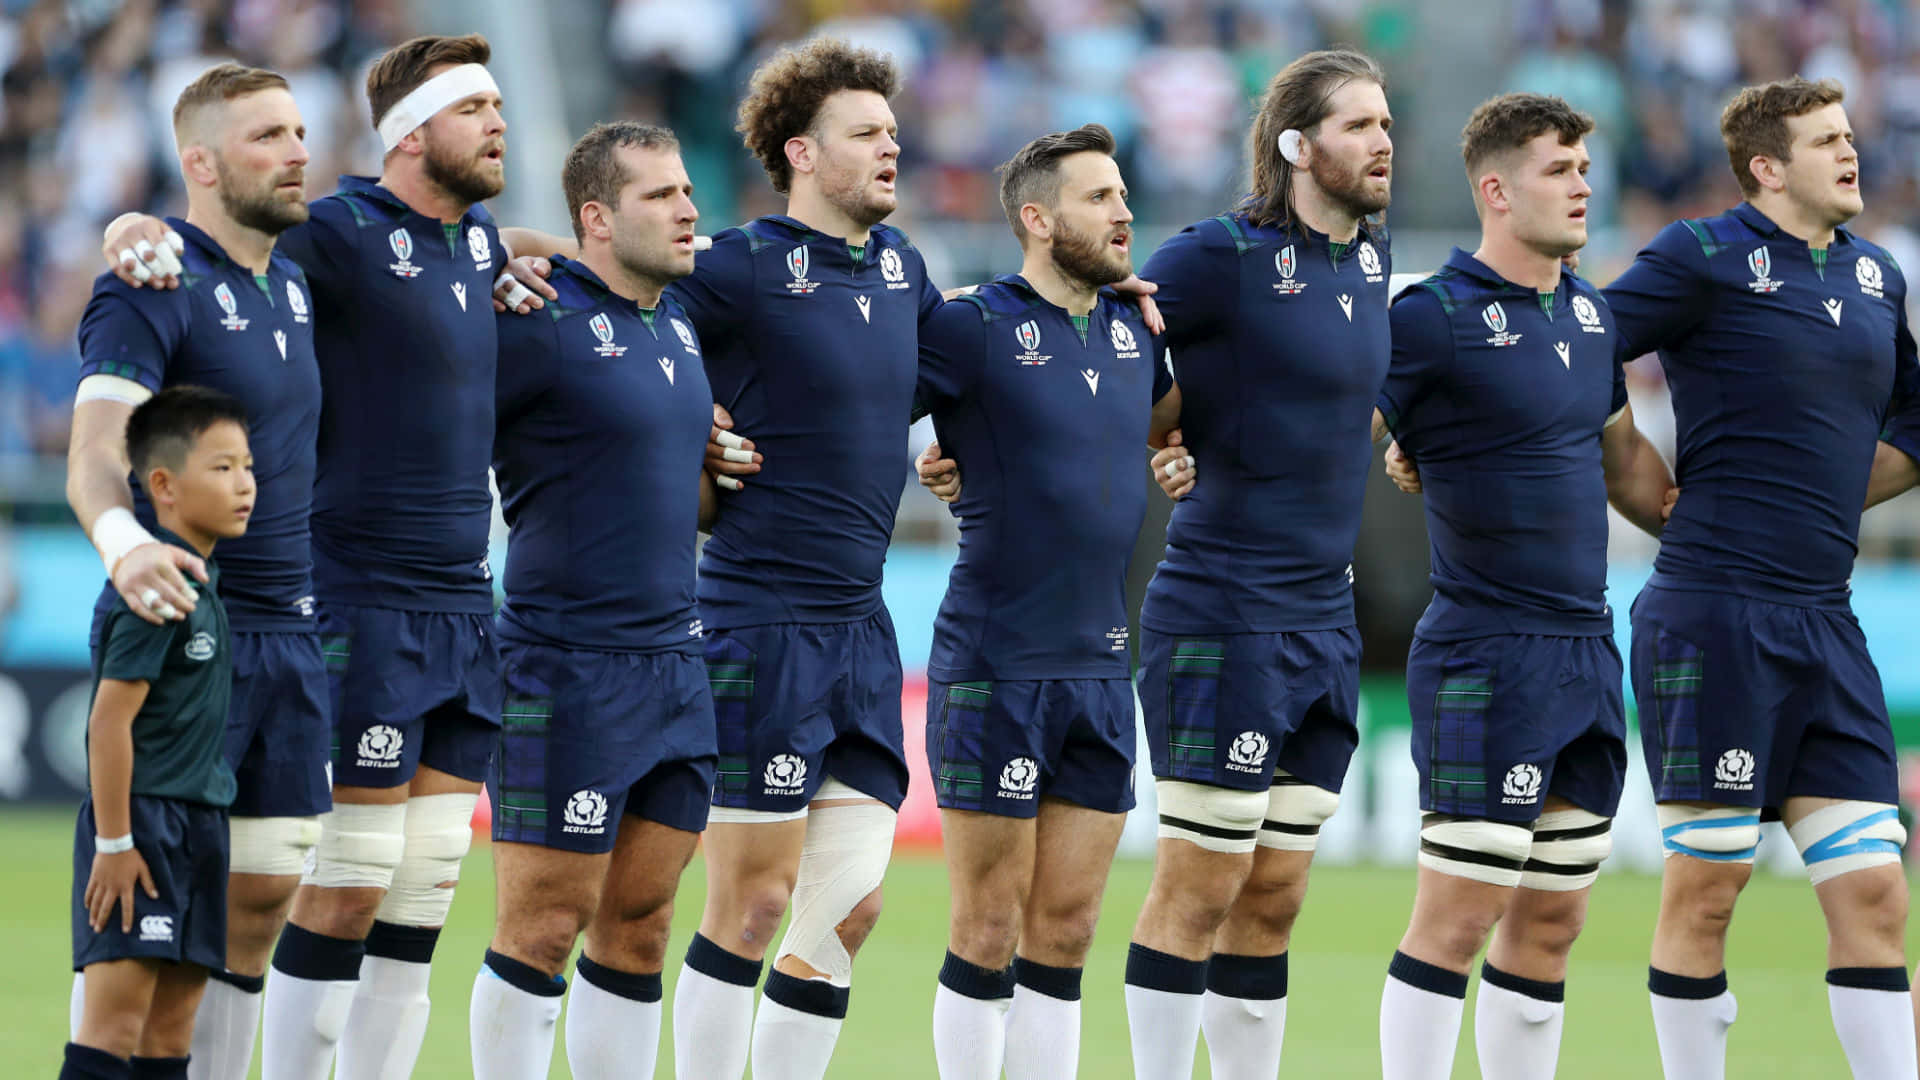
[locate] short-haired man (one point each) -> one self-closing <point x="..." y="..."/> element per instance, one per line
<point x="1785" y="343"/>
<point x="1030" y="714"/>
<point x="243" y="324"/>
<point x="1505" y="385"/>
<point x="606" y="759"/>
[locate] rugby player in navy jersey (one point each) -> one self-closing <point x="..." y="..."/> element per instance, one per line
<point x="1506" y="385"/>
<point x="1030" y="717"/>
<point x="242" y="324"/>
<point x="1785" y="343"/>
<point x="400" y="269"/>
<point x="606" y="760"/>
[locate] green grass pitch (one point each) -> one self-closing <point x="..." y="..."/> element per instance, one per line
<point x="1354" y="917"/>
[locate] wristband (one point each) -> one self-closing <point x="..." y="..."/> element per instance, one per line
<point x="112" y="845"/>
<point x="116" y="532"/>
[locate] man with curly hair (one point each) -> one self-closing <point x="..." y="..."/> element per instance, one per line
<point x="809" y="322"/>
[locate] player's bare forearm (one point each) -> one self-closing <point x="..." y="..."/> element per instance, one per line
<point x="110" y="753"/>
<point x="1166" y="417"/>
<point x="1638" y="478"/>
<point x="523" y="241"/>
<point x="97" y="461"/>
<point x="1379" y="426"/>
<point x="1893" y="473"/>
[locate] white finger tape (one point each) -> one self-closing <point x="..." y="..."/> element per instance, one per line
<point x="166" y="610"/>
<point x="177" y="242"/>
<point x="731" y="441"/>
<point x="166" y="262"/>
<point x="517" y="293"/>
<point x="143" y="249"/>
<point x="742" y="456"/>
<point x="727" y="482"/>
<point x="1172" y="468"/>
<point x="149" y="598"/>
<point x="702" y="243"/>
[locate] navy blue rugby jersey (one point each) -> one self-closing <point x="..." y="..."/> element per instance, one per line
<point x="252" y="337"/>
<point x="407" y="346"/>
<point x="1784" y="365"/>
<point x="1501" y="394"/>
<point x="813" y="351"/>
<point x="1048" y="421"/>
<point x="1280" y="342"/>
<point x="602" y="428"/>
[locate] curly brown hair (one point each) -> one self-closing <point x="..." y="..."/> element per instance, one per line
<point x="1509" y="122"/>
<point x="1754" y="123"/>
<point x="786" y="93"/>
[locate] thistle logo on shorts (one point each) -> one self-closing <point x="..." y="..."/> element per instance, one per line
<point x="586" y="812"/>
<point x="1588" y="315"/>
<point x="1867" y="272"/>
<point x="224" y="296"/>
<point x="1018" y="778"/>
<point x="785" y="774"/>
<point x="478" y="248"/>
<point x="1370" y="263"/>
<point x="200" y="646"/>
<point x="1124" y="345"/>
<point x="797" y="263"/>
<point x="401" y="242"/>
<point x="1522" y="785"/>
<point x="1495" y="317"/>
<point x="1285" y="263"/>
<point x="380" y="747"/>
<point x="1761" y="264"/>
<point x="156" y="928"/>
<point x="1734" y="771"/>
<point x="1247" y="752"/>
<point x="296" y="302"/>
<point x="892" y="269"/>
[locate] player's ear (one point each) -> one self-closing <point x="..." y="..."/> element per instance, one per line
<point x="1034" y="220"/>
<point x="800" y="153"/>
<point x="160" y="486"/>
<point x="197" y="162"/>
<point x="1492" y="191"/>
<point x="594" y="220"/>
<point x="1768" y="172"/>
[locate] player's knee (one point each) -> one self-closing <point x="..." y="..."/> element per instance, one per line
<point x="1491" y="852"/>
<point x="859" y="923"/>
<point x="1845" y="837"/>
<point x="1271" y="902"/>
<point x="986" y="933"/>
<point x="1063" y="930"/>
<point x="1566" y="852"/>
<point x="439" y="831"/>
<point x="1717" y="834"/>
<point x="836" y="897"/>
<point x="360" y="848"/>
<point x="1548" y="928"/>
<point x="277" y="846"/>
<point x="1217" y="819"/>
<point x="1295" y="812"/>
<point x="117" y="1033"/>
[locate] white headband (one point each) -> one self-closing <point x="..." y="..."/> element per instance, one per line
<point x="451" y="85"/>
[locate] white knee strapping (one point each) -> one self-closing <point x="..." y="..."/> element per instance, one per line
<point x="1568" y="848"/>
<point x="843" y="859"/>
<point x="439" y="831"/>
<point x="271" y="845"/>
<point x="1728" y="834"/>
<point x="359" y="846"/>
<point x="1295" y="812"/>
<point x="1489" y="851"/>
<point x="1215" y="818"/>
<point x="1848" y="836"/>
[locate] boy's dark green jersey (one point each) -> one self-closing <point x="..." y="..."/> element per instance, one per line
<point x="188" y="668"/>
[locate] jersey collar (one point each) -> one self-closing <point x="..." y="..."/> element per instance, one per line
<point x="799" y="230"/>
<point x="369" y="187"/>
<point x="1020" y="284"/>
<point x="1463" y="263"/>
<point x="1750" y="216"/>
<point x="603" y="292"/>
<point x="210" y="247"/>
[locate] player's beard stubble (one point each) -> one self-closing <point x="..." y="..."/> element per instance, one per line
<point x="1347" y="184"/>
<point x="1088" y="257"/>
<point x="260" y="207"/>
<point x="468" y="177"/>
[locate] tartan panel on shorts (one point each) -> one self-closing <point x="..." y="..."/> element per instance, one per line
<point x="1193" y="699"/>
<point x="958" y="775"/>
<point x="520" y="768"/>
<point x="335" y="651"/>
<point x="1677" y="666"/>
<point x="730" y="674"/>
<point x="1457" y="766"/>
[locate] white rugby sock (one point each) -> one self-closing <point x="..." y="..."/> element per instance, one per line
<point x="1517" y="1024"/>
<point x="226" y="1027"/>
<point x="713" y="1013"/>
<point x="388" y="1023"/>
<point x="970" y="1023"/>
<point x="613" y="1023"/>
<point x="76" y="1005"/>
<point x="1420" y="1019"/>
<point x="511" y="1020"/>
<point x="1690" y="1019"/>
<point x="1163" y="1012"/>
<point x="309" y="994"/>
<point x="1244" y="1015"/>
<point x="1873" y="1015"/>
<point x="1043" y="1028"/>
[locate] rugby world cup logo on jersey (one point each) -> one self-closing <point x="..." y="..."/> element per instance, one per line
<point x="585" y="812"/>
<point x="1761" y="263"/>
<point x="1018" y="778"/>
<point x="1124" y="345"/>
<point x="478" y="248"/>
<point x="1495" y="317"/>
<point x="1734" y="771"/>
<point x="1587" y="314"/>
<point x="380" y="747"/>
<point x="401" y="243"/>
<point x="297" y="303"/>
<point x="1028" y="336"/>
<point x="1370" y="263"/>
<point x="1247" y="752"/>
<point x="1286" y="264"/>
<point x="1866" y="271"/>
<point x="224" y="297"/>
<point x="785" y="774"/>
<point x="602" y="328"/>
<point x="892" y="270"/>
<point x="797" y="263"/>
<point x="1522" y="785"/>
